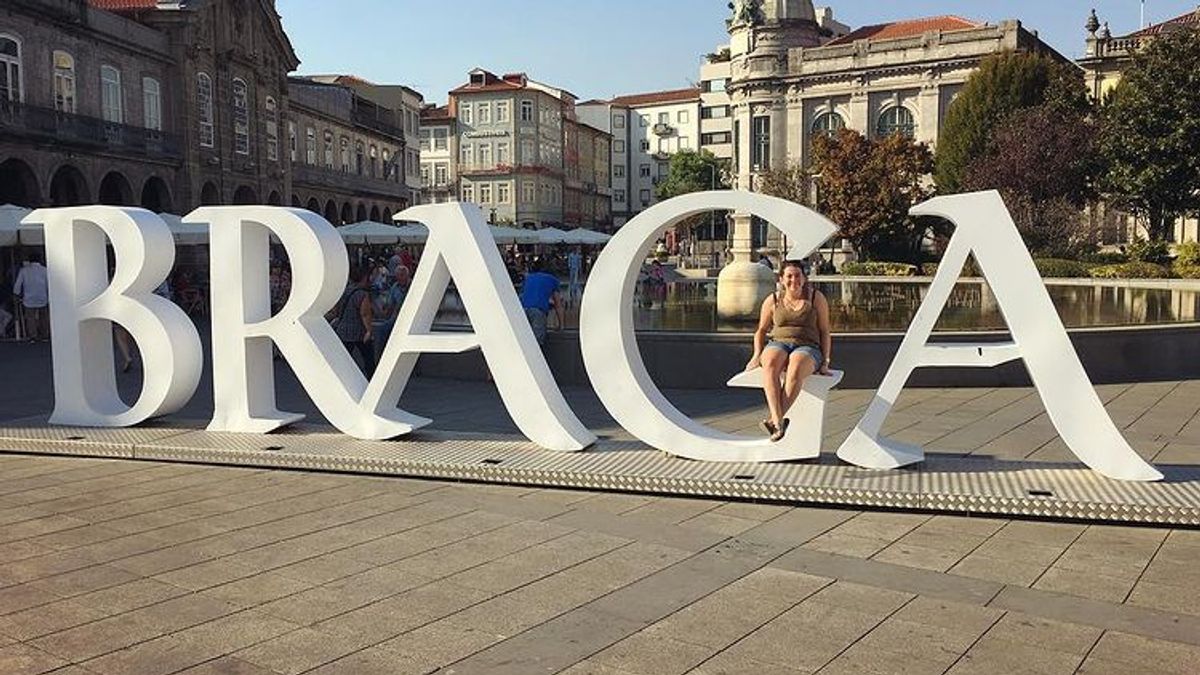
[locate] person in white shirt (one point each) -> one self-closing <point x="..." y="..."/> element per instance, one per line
<point x="34" y="290"/>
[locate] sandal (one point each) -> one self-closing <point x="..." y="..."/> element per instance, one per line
<point x="768" y="426"/>
<point x="783" y="426"/>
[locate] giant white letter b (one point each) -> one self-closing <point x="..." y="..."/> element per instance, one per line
<point x="84" y="305"/>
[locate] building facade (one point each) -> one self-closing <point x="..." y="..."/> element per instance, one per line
<point x="646" y="130"/>
<point x="174" y="105"/>
<point x="1105" y="58"/>
<point x="439" y="155"/>
<point x="513" y="148"/>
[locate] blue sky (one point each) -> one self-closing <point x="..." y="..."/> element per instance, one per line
<point x="601" y="48"/>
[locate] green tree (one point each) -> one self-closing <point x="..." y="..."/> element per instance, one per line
<point x="692" y="171"/>
<point x="1150" y="133"/>
<point x="1002" y="84"/>
<point x="867" y="186"/>
<point x="791" y="182"/>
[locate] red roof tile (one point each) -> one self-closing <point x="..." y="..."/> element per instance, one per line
<point x="123" y="5"/>
<point x="671" y="96"/>
<point x="906" y="28"/>
<point x="1192" y="19"/>
<point x="436" y="113"/>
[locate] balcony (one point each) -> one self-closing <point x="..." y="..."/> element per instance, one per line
<point x="661" y="155"/>
<point x="367" y="118"/>
<point x="663" y="129"/>
<point x="90" y="132"/>
<point x="332" y="179"/>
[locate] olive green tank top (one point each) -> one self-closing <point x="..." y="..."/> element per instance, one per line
<point x="797" y="326"/>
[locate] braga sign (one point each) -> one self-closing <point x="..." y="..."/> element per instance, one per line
<point x="84" y="303"/>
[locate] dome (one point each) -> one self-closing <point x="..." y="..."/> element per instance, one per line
<point x="789" y="10"/>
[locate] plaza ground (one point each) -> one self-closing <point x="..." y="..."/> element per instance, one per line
<point x="115" y="566"/>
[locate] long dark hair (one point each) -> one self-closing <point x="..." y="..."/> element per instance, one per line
<point x="807" y="291"/>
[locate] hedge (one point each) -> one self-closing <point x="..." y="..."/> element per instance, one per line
<point x="1186" y="271"/>
<point x="879" y="269"/>
<point x="1131" y="270"/>
<point x="1187" y="254"/>
<point x="1058" y="268"/>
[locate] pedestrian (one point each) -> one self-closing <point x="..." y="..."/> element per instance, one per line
<point x="386" y="304"/>
<point x="33" y="288"/>
<point x="539" y="294"/>
<point x="574" y="268"/>
<point x="352" y="318"/>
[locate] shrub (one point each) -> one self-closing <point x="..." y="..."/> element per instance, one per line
<point x="1061" y="269"/>
<point x="1157" y="252"/>
<point x="1187" y="254"/>
<point x="970" y="269"/>
<point x="879" y="269"/>
<point x="1106" y="258"/>
<point x="1131" y="270"/>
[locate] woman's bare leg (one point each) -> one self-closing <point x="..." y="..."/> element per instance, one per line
<point x="773" y="363"/>
<point x="800" y="366"/>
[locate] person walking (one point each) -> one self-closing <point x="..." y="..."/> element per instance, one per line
<point x="353" y="317"/>
<point x="33" y="288"/>
<point x="539" y="294"/>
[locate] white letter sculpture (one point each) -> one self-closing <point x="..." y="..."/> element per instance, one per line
<point x="243" y="383"/>
<point x="84" y="305"/>
<point x="984" y="227"/>
<point x="461" y="247"/>
<point x="610" y="351"/>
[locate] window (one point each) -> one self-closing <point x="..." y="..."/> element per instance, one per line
<point x="714" y="85"/>
<point x="502" y="112"/>
<point x="151" y="104"/>
<point x="644" y="196"/>
<point x="485" y="155"/>
<point x="374" y="155"/>
<point x="387" y="164"/>
<point x="468" y="192"/>
<point x="502" y="193"/>
<point x="345" y="147"/>
<point x="328" y="149"/>
<point x="644" y="120"/>
<point x="64" y="82"/>
<point x="527" y="152"/>
<point x="715" y="138"/>
<point x="241" y="118"/>
<point x="465" y="114"/>
<point x="896" y="120"/>
<point x="439" y="139"/>
<point x="11" y="86"/>
<point x="827" y="124"/>
<point x="110" y="95"/>
<point x="528" y="192"/>
<point x="360" y="159"/>
<point x="681" y="117"/>
<point x="310" y="146"/>
<point x="485" y="113"/>
<point x="619" y="171"/>
<point x="292" y="140"/>
<point x="424" y="173"/>
<point x="441" y="173"/>
<point x="664" y="144"/>
<point x="685" y="143"/>
<point x="618" y="121"/>
<point x="618" y="147"/>
<point x="272" y="130"/>
<point x="644" y="145"/>
<point x="713" y="112"/>
<point x="485" y="193"/>
<point x="526" y="110"/>
<point x="502" y="154"/>
<point x="760" y="143"/>
<point x="644" y="170"/>
<point x="426" y="135"/>
<point x="204" y="104"/>
<point x="664" y="118"/>
<point x="619" y="196"/>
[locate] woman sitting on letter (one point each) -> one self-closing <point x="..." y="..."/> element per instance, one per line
<point x="797" y="318"/>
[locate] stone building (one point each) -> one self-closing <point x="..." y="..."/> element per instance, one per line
<point x="439" y="155"/>
<point x="166" y="105"/>
<point x="587" y="192"/>
<point x="1105" y="58"/>
<point x="513" y="149"/>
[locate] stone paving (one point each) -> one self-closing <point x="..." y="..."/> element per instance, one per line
<point x="114" y="566"/>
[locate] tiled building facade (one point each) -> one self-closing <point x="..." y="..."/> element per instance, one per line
<point x="166" y="105"/>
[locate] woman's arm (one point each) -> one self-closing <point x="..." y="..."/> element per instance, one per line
<point x="766" y="318"/>
<point x="822" y="306"/>
<point x="367" y="313"/>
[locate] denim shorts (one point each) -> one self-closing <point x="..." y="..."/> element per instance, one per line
<point x="789" y="349"/>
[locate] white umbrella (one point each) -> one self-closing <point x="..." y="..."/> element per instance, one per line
<point x="551" y="235"/>
<point x="10" y="223"/>
<point x="369" y="232"/>
<point x="412" y="233"/>
<point x="586" y="237"/>
<point x="514" y="235"/>
<point x="185" y="234"/>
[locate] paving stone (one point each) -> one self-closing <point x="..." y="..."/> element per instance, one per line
<point x="861" y="659"/>
<point x="375" y="661"/>
<point x="22" y="659"/>
<point x="296" y="652"/>
<point x="97" y="638"/>
<point x="653" y="653"/>
<point x="1094" y="585"/>
<point x="1001" y="656"/>
<point x="919" y="642"/>
<point x="1142" y="652"/>
<point x="999" y="570"/>
<point x="736" y="663"/>
<point x="441" y="642"/>
<point x="948" y="614"/>
<point x="256" y="590"/>
<point x="1035" y="631"/>
<point x="921" y="557"/>
<point x="847" y="544"/>
<point x="160" y="656"/>
<point x="227" y="665"/>
<point x="45" y="619"/>
<point x="1167" y="597"/>
<point x="130" y="596"/>
<point x="392" y="616"/>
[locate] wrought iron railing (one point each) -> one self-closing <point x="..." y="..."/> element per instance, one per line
<point x="94" y="132"/>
